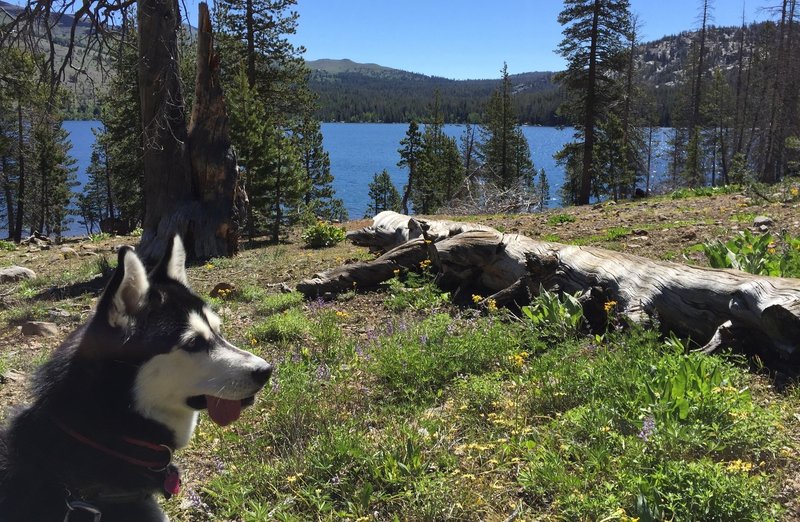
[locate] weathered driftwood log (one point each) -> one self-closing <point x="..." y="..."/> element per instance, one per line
<point x="365" y="274"/>
<point x="390" y="229"/>
<point x="713" y="307"/>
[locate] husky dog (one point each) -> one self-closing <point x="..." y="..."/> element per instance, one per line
<point x="119" y="396"/>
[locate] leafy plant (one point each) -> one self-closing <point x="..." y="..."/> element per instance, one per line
<point x="756" y="254"/>
<point x="557" y="219"/>
<point x="555" y="314"/>
<point x="9" y="246"/>
<point x="322" y="234"/>
<point x="100" y="236"/>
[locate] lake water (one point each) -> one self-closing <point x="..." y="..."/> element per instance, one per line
<point x="360" y="150"/>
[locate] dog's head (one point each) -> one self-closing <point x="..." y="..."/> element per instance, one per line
<point x="183" y="364"/>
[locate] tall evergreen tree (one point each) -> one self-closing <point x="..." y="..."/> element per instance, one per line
<point x="272" y="80"/>
<point x="595" y="32"/>
<point x="120" y="145"/>
<point x="504" y="149"/>
<point x="320" y="197"/>
<point x="20" y="100"/>
<point x="410" y="152"/>
<point x="53" y="177"/>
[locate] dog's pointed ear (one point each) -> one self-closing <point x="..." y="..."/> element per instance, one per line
<point x="125" y="293"/>
<point x="173" y="264"/>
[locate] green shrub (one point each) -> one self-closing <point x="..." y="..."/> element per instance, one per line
<point x="323" y="234"/>
<point x="557" y="219"/>
<point x="7" y="245"/>
<point x="554" y="314"/>
<point x="756" y="254"/>
<point x="100" y="236"/>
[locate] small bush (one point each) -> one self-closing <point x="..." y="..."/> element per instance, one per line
<point x="323" y="234"/>
<point x="100" y="236"/>
<point x="554" y="315"/>
<point x="756" y="254"/>
<point x="9" y="246"/>
<point x="557" y="219"/>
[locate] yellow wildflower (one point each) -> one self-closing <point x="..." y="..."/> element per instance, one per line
<point x="476" y="298"/>
<point x="491" y="305"/>
<point x="739" y="465"/>
<point x="609" y="305"/>
<point x="209" y="266"/>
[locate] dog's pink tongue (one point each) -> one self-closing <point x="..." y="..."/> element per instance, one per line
<point x="223" y="411"/>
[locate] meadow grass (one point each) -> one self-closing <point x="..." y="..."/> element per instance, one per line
<point x="456" y="414"/>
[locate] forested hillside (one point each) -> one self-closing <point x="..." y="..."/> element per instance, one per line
<point x="350" y="91"/>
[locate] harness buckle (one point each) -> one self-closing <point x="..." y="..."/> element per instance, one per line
<point x="79" y="505"/>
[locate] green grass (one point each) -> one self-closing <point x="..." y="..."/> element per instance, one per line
<point x="467" y="416"/>
<point x="287" y="326"/>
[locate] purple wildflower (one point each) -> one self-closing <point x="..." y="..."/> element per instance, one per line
<point x="323" y="372"/>
<point x="648" y="427"/>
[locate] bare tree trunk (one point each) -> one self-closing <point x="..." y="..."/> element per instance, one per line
<point x="191" y="180"/>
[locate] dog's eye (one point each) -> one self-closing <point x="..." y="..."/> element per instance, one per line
<point x="195" y="344"/>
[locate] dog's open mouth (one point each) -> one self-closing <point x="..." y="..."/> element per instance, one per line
<point x="221" y="411"/>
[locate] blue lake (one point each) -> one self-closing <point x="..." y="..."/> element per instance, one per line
<point x="359" y="150"/>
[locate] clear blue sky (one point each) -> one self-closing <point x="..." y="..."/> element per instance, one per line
<point x="468" y="39"/>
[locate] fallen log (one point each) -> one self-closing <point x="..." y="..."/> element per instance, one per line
<point x="365" y="274"/>
<point x="390" y="229"/>
<point x="714" y="308"/>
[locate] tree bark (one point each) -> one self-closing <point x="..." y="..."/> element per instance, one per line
<point x="713" y="307"/>
<point x="191" y="181"/>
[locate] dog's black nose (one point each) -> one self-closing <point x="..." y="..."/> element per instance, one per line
<point x="261" y="376"/>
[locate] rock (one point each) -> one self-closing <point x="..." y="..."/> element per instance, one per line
<point x="68" y="253"/>
<point x="16" y="273"/>
<point x="763" y="228"/>
<point x="691" y="235"/>
<point x="88" y="248"/>
<point x="222" y="290"/>
<point x="763" y="221"/>
<point x="39" y="329"/>
<point x="639" y="232"/>
<point x="12" y="376"/>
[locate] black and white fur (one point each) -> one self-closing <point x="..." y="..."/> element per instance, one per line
<point x="141" y="368"/>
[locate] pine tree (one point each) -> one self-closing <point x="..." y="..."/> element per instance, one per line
<point x="119" y="142"/>
<point x="54" y="177"/>
<point x="543" y="190"/>
<point x="504" y="149"/>
<point x="594" y="43"/>
<point x="20" y="103"/>
<point x="410" y="152"/>
<point x="383" y="195"/>
<point x="320" y="198"/>
<point x="279" y="183"/>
